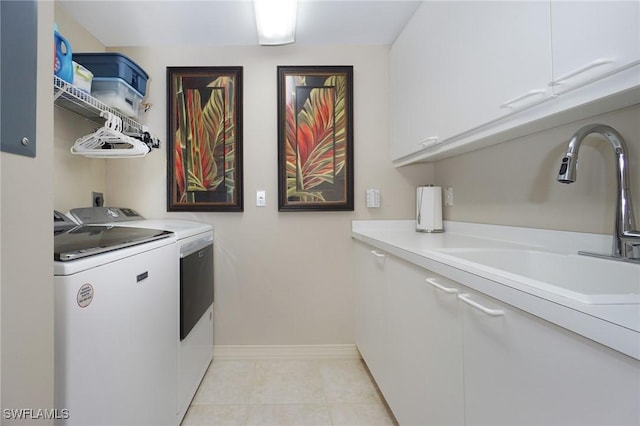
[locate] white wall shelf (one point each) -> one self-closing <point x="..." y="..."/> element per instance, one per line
<point x="73" y="99"/>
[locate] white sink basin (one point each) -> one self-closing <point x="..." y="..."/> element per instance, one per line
<point x="585" y="279"/>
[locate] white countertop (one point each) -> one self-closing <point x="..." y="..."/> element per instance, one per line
<point x="616" y="326"/>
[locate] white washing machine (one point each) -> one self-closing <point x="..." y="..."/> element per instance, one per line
<point x="194" y="257"/>
<point x="115" y="357"/>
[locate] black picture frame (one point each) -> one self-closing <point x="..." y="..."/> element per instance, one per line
<point x="315" y="138"/>
<point x="204" y="139"/>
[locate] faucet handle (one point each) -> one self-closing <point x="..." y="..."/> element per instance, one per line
<point x="631" y="236"/>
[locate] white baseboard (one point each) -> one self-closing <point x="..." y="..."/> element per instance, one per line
<point x="221" y="352"/>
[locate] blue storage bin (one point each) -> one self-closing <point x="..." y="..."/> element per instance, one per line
<point x="114" y="65"/>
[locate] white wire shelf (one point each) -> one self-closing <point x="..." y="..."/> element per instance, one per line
<point x="73" y="99"/>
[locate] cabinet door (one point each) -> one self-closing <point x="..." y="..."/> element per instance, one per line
<point x="459" y="65"/>
<point x="415" y="85"/>
<point x="592" y="39"/>
<point x="371" y="310"/>
<point x="497" y="57"/>
<point x="521" y="370"/>
<point x="425" y="347"/>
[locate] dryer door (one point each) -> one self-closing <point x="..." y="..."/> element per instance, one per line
<point x="196" y="283"/>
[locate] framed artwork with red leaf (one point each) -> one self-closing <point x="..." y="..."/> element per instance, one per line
<point x="204" y="139"/>
<point x="315" y="138"/>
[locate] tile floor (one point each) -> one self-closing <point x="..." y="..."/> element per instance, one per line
<point x="288" y="393"/>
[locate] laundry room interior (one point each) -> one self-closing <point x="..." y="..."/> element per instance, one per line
<point x="286" y="282"/>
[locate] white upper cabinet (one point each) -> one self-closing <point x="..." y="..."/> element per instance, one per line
<point x="468" y="74"/>
<point x="458" y="65"/>
<point x="415" y="83"/>
<point x="497" y="56"/>
<point x="592" y="40"/>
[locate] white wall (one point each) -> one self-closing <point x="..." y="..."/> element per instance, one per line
<point x="514" y="183"/>
<point x="281" y="278"/>
<point x="74" y="177"/>
<point x="26" y="241"/>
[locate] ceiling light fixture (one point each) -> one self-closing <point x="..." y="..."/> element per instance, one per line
<point x="276" y="21"/>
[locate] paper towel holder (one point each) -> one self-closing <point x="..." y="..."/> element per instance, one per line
<point x="429" y="209"/>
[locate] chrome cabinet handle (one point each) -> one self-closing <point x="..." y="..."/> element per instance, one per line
<point x="377" y="253"/>
<point x="492" y="312"/>
<point x="596" y="63"/>
<point x="439" y="286"/>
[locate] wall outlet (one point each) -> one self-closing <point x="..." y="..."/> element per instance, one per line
<point x="97" y="199"/>
<point x="448" y="197"/>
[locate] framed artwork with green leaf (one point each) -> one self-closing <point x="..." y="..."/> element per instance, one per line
<point x="315" y="138"/>
<point x="204" y="139"/>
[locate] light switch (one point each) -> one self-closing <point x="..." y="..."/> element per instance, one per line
<point x="261" y="198"/>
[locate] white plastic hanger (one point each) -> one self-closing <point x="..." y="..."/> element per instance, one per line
<point x="109" y="141"/>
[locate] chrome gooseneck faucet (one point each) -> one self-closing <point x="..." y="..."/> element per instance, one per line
<point x="626" y="239"/>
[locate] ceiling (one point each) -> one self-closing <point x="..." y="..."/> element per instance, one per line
<point x="232" y="22"/>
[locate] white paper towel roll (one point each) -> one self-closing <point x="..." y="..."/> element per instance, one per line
<point x="429" y="209"/>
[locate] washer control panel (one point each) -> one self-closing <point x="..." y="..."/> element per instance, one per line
<point x="94" y="215"/>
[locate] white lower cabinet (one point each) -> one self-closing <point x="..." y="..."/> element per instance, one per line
<point x="424" y="348"/>
<point x="371" y="311"/>
<point x="410" y="337"/>
<point x="522" y="370"/>
<point x="442" y="360"/>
